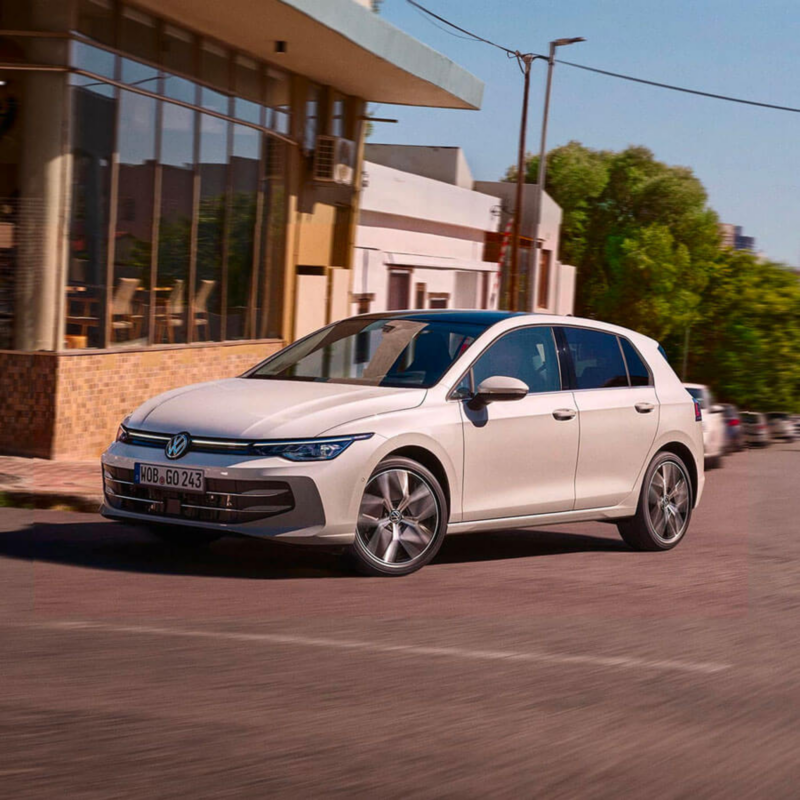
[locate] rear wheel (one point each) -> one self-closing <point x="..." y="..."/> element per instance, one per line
<point x="665" y="506"/>
<point x="402" y="519"/>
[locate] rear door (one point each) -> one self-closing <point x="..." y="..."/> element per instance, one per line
<point x="618" y="414"/>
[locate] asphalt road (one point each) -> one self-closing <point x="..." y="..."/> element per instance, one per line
<point x="533" y="663"/>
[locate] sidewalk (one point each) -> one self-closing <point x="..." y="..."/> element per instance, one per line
<point x="39" y="483"/>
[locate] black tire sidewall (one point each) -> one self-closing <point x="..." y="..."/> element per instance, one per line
<point x="364" y="561"/>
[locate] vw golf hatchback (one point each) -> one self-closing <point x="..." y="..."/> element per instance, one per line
<point x="382" y="433"/>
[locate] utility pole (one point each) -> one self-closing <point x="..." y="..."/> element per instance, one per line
<point x="535" y="266"/>
<point x="516" y="227"/>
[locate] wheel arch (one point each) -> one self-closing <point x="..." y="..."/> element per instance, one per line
<point x="431" y="462"/>
<point x="685" y="454"/>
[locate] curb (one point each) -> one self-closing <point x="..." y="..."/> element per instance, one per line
<point x="50" y="500"/>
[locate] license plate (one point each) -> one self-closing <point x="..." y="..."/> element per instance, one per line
<point x="179" y="478"/>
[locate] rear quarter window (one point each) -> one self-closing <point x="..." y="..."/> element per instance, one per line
<point x="637" y="370"/>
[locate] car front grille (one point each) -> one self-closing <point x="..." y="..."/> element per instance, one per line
<point x="225" y="500"/>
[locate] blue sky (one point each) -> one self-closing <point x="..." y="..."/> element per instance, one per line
<point x="748" y="158"/>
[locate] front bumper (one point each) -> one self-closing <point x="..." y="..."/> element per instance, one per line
<point x="309" y="503"/>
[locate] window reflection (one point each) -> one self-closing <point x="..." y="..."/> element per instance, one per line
<point x="93" y="112"/>
<point x="175" y="223"/>
<point x="93" y="59"/>
<point x="134" y="226"/>
<point x="213" y="168"/>
<point x="244" y="168"/>
<point x="279" y="101"/>
<point x="96" y="20"/>
<point x="273" y="227"/>
<point x="138" y="34"/>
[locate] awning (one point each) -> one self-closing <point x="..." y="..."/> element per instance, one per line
<point x="335" y="42"/>
<point x="438" y="262"/>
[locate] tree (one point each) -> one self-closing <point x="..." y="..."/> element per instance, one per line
<point x="647" y="248"/>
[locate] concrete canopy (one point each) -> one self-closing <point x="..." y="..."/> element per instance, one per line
<point x="336" y="42"/>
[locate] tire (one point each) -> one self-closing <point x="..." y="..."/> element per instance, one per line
<point x="183" y="537"/>
<point x="402" y="519"/>
<point x="663" y="514"/>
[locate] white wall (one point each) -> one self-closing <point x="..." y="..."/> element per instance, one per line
<point x="434" y="227"/>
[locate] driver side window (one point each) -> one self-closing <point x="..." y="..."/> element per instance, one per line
<point x="528" y="354"/>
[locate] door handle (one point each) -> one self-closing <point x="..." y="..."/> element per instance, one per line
<point x="564" y="414"/>
<point x="644" y="408"/>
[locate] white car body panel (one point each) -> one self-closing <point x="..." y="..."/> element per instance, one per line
<point x="517" y="466"/>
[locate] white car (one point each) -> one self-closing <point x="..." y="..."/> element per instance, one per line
<point x="713" y="423"/>
<point x="382" y="433"/>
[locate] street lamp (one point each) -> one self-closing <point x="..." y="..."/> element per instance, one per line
<point x="536" y="265"/>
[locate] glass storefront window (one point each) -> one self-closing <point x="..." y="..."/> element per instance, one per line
<point x="175" y="224"/>
<point x="213" y="170"/>
<point x="244" y="169"/>
<point x="312" y="127"/>
<point x="133" y="233"/>
<point x="194" y="249"/>
<point x="92" y="144"/>
<point x="273" y="227"/>
<point x="93" y="59"/>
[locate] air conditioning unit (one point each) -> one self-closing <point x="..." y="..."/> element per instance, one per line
<point x="334" y="160"/>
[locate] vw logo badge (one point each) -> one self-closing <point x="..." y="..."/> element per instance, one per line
<point x="177" y="446"/>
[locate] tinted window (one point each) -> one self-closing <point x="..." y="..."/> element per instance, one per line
<point x="637" y="371"/>
<point x="528" y="354"/>
<point x="597" y="359"/>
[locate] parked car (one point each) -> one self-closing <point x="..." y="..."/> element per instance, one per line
<point x="755" y="429"/>
<point x="714" y="437"/>
<point x="796" y="423"/>
<point x="381" y="433"/>
<point x="734" y="438"/>
<point x="780" y="425"/>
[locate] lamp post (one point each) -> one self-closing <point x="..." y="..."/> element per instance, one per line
<point x="533" y="270"/>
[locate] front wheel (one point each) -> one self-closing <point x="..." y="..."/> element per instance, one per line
<point x="402" y="519"/>
<point x="665" y="506"/>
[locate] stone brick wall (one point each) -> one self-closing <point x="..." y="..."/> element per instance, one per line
<point x="68" y="406"/>
<point x="27" y="403"/>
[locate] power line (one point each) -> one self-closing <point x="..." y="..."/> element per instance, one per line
<point x="462" y="30"/>
<point x="680" y="88"/>
<point x="516" y="54"/>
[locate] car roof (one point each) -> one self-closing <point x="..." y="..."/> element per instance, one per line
<point x="484" y="318"/>
<point x="695" y="385"/>
<point x="488" y="318"/>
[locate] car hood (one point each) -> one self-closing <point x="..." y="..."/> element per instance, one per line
<point x="246" y="408"/>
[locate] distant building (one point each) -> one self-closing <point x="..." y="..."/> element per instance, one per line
<point x="731" y="236"/>
<point x="430" y="237"/>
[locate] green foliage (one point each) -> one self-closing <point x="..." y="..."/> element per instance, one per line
<point x="647" y="249"/>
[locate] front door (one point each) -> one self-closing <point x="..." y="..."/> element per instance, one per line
<point x="619" y="412"/>
<point x="520" y="456"/>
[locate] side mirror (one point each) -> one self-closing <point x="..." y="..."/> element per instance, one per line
<point x="716" y="409"/>
<point x="499" y="388"/>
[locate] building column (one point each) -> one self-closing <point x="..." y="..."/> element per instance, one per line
<point x="43" y="184"/>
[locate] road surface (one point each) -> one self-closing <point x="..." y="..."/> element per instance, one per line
<point x="549" y="662"/>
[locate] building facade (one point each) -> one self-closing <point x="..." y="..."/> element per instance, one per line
<point x="421" y="232"/>
<point x="429" y="236"/>
<point x="179" y="189"/>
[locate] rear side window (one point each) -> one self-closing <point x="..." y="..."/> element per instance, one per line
<point x="597" y="359"/>
<point x="637" y="371"/>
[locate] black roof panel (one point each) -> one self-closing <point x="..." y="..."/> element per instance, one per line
<point x="484" y="318"/>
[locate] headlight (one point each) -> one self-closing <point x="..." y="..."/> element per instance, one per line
<point x="122" y="433"/>
<point x="323" y="449"/>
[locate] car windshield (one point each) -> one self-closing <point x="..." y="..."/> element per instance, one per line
<point x="749" y="417"/>
<point x="374" y="352"/>
<point x="773" y="415"/>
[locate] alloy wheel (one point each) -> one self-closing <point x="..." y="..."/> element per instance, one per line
<point x="398" y="517"/>
<point x="668" y="502"/>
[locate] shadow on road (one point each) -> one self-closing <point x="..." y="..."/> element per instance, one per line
<point x="110" y="546"/>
